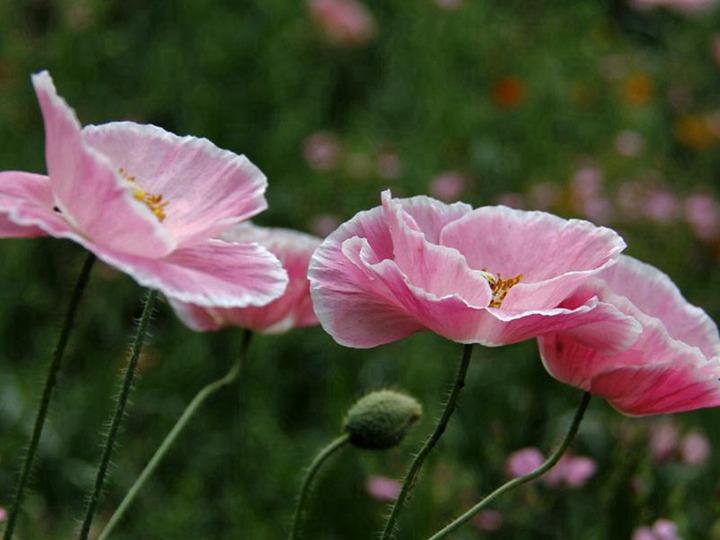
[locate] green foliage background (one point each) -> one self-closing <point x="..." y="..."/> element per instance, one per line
<point x="257" y="77"/>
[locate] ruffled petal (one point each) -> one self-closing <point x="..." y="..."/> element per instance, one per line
<point x="435" y="269"/>
<point x="655" y="294"/>
<point x="292" y="310"/>
<point x="661" y="388"/>
<point x="350" y="305"/>
<point x="207" y="190"/>
<point x="554" y="255"/>
<point x="26" y="206"/>
<point x="215" y="273"/>
<point x="90" y="194"/>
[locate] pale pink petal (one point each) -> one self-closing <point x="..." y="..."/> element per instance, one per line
<point x="435" y="269"/>
<point x="292" y="310"/>
<point x="207" y="189"/>
<point x="349" y="305"/>
<point x="87" y="190"/>
<point x="449" y="316"/>
<point x="26" y="206"/>
<point x="654" y="293"/>
<point x="553" y="255"/>
<point x="660" y="388"/>
<point x="215" y="273"/>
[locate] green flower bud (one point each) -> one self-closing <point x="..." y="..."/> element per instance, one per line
<point x="380" y="420"/>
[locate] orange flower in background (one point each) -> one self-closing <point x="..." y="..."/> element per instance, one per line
<point x="638" y="89"/>
<point x="508" y="92"/>
<point x="697" y="132"/>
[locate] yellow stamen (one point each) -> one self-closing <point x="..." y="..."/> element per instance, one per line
<point x="152" y="201"/>
<point x="500" y="287"/>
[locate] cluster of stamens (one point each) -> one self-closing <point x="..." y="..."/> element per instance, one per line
<point x="154" y="202"/>
<point x="500" y="287"/>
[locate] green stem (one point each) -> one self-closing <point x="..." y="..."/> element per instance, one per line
<point x="138" y="341"/>
<point x="199" y="398"/>
<point x="52" y="375"/>
<point x="414" y="470"/>
<point x="520" y="480"/>
<point x="325" y="453"/>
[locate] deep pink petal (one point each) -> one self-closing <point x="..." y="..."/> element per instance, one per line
<point x="215" y="273"/>
<point x="292" y="310"/>
<point x="661" y="388"/>
<point x="87" y="189"/>
<point x="207" y="190"/>
<point x="554" y="255"/>
<point x="655" y="294"/>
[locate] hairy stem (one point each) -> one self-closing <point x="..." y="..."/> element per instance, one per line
<point x="119" y="413"/>
<point x="417" y="463"/>
<point x="325" y="453"/>
<point x="198" y="400"/>
<point x="50" y="381"/>
<point x="520" y="480"/>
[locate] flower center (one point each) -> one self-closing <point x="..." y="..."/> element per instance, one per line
<point x="500" y="287"/>
<point x="154" y="202"/>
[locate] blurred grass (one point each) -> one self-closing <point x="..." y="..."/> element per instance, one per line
<point x="258" y="78"/>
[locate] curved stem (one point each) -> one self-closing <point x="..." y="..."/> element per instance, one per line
<point x="138" y="341"/>
<point x="325" y="453"/>
<point x="520" y="480"/>
<point x="53" y="371"/>
<point x="411" y="477"/>
<point x="190" y="410"/>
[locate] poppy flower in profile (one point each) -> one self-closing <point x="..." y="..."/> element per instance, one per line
<point x="492" y="275"/>
<point x="147" y="202"/>
<point x="673" y="366"/>
<point x="291" y="310"/>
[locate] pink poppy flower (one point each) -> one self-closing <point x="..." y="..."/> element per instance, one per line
<point x="493" y="275"/>
<point x="292" y="310"/>
<point x="147" y="202"/>
<point x="672" y="367"/>
<point x="345" y="23"/>
<point x="695" y="448"/>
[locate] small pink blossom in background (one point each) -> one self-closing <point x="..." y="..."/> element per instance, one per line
<point x="629" y="143"/>
<point x="449" y="5"/>
<point x="323" y="224"/>
<point x="662" y="529"/>
<point x="448" y="186"/>
<point x="345" y="23"/>
<point x="147" y="202"/>
<point x="492" y="275"/>
<point x="694" y="448"/>
<point x="523" y="461"/>
<point x="673" y="366"/>
<point x="702" y="213"/>
<point x="661" y="205"/>
<point x="511" y="200"/>
<point x="3" y="514"/>
<point x="488" y="520"/>
<point x="715" y="48"/>
<point x="389" y="166"/>
<point x="322" y="151"/>
<point x="629" y="199"/>
<point x="383" y="488"/>
<point x="685" y="7"/>
<point x="573" y="471"/>
<point x="664" y="439"/>
<point x="587" y="195"/>
<point x="292" y="310"/>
